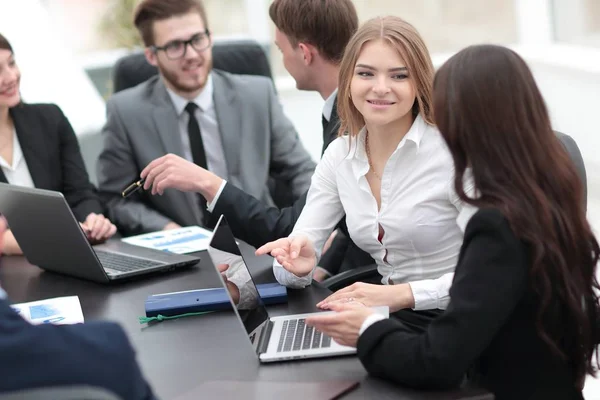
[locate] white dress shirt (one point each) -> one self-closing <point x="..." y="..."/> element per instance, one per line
<point x="209" y="127"/>
<point x="17" y="173"/>
<point x="421" y="215"/>
<point x="2" y="293"/>
<point x="328" y="106"/>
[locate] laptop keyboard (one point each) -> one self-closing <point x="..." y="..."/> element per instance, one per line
<point x="123" y="263"/>
<point x="296" y="335"/>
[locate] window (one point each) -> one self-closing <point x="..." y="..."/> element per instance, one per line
<point x="577" y="22"/>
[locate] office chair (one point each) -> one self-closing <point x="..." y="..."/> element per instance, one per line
<point x="242" y="56"/>
<point x="369" y="272"/>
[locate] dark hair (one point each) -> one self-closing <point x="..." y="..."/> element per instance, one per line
<point x="4" y="44"/>
<point x="150" y="11"/>
<point x="494" y="120"/>
<point x="326" y="24"/>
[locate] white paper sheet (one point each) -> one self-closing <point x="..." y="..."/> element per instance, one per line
<point x="180" y="241"/>
<point x="59" y="311"/>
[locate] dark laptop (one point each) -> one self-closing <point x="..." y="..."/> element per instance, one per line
<point x="52" y="239"/>
<point x="273" y="338"/>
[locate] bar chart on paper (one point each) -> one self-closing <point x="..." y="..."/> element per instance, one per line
<point x="185" y="240"/>
<point x="59" y="310"/>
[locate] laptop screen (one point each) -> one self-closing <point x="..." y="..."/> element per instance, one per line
<point x="235" y="276"/>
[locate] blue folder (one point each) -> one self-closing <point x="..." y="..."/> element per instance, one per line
<point x="214" y="299"/>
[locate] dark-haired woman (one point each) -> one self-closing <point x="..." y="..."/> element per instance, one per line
<point x="522" y="316"/>
<point x="38" y="148"/>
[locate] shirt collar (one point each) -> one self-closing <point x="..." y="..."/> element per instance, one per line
<point x="414" y="134"/>
<point x="328" y="106"/>
<point x="204" y="100"/>
<point x="17" y="154"/>
<point x="2" y="294"/>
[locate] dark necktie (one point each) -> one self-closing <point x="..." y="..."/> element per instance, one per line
<point x="196" y="145"/>
<point x="324" y="122"/>
<point x="198" y="153"/>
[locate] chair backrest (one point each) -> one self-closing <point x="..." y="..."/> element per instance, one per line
<point x="240" y="56"/>
<point x="575" y="155"/>
<point x="244" y="56"/>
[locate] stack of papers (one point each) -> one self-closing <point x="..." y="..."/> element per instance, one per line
<point x="59" y="310"/>
<point x="186" y="240"/>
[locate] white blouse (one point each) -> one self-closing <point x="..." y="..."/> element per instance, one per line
<point x="18" y="173"/>
<point x="422" y="217"/>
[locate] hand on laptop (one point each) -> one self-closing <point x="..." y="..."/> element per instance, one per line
<point x="175" y="172"/>
<point x="98" y="228"/>
<point x="295" y="254"/>
<point x="396" y="297"/>
<point x="343" y="326"/>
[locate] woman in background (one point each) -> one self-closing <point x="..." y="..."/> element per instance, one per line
<point x="522" y="319"/>
<point x="38" y="148"/>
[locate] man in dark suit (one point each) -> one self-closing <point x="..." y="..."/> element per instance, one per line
<point x="96" y="354"/>
<point x="312" y="49"/>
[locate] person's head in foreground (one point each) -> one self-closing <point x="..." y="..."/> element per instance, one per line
<point x="495" y="122"/>
<point x="386" y="78"/>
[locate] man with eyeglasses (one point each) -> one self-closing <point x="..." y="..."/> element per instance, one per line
<point x="232" y="125"/>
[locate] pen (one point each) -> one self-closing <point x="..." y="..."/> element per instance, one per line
<point x="134" y="187"/>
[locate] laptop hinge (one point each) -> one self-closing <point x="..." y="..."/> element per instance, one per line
<point x="265" y="335"/>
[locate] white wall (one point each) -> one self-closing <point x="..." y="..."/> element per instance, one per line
<point x="50" y="73"/>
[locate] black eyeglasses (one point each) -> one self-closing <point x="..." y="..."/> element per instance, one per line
<point x="177" y="48"/>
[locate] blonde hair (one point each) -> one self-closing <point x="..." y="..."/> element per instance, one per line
<point x="410" y="45"/>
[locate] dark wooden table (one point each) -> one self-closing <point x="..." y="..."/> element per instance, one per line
<point x="177" y="355"/>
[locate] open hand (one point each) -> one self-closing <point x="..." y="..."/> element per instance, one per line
<point x="295" y="254"/>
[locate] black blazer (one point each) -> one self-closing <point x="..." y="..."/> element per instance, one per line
<point x="95" y="353"/>
<point x="256" y="223"/>
<point x="488" y="328"/>
<point x="52" y="153"/>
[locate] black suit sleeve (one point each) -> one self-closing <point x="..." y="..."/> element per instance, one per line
<point x="490" y="280"/>
<point x="253" y="221"/>
<point x="98" y="354"/>
<point x="77" y="188"/>
<point x="331" y="261"/>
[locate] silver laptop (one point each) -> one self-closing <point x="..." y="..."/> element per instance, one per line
<point x="273" y="338"/>
<point x="52" y="239"/>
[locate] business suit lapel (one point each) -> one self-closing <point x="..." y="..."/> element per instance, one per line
<point x="33" y="146"/>
<point x="167" y="127"/>
<point x="227" y="108"/>
<point x="165" y="119"/>
<point x="331" y="129"/>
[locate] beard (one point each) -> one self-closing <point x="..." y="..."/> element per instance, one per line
<point x="173" y="79"/>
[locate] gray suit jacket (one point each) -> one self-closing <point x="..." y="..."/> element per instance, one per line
<point x="258" y="142"/>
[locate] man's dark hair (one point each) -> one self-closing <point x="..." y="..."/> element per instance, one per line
<point x="150" y="11"/>
<point x="326" y="24"/>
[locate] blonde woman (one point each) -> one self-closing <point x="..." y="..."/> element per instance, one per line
<point x="390" y="173"/>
